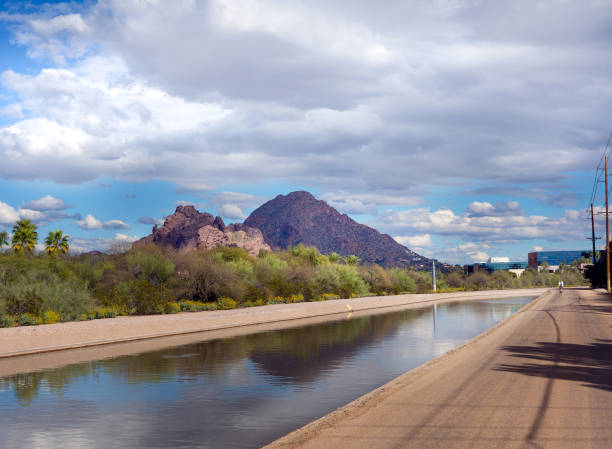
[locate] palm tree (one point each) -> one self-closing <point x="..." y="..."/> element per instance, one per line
<point x="3" y="239"/>
<point x="57" y="242"/>
<point x="24" y="236"/>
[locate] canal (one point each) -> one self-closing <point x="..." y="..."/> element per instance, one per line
<point x="240" y="392"/>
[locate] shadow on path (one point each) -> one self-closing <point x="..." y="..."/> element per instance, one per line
<point x="590" y="364"/>
<point x="595" y="308"/>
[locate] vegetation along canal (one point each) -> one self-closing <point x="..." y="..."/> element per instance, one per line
<point x="239" y="392"/>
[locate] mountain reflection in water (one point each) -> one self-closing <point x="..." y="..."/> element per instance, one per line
<point x="236" y="392"/>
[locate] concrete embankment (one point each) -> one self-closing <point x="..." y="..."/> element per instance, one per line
<point x="88" y="340"/>
<point x="542" y="378"/>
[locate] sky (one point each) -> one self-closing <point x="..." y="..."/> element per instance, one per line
<point x="465" y="129"/>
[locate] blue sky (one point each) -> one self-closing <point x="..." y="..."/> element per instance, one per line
<point x="464" y="129"/>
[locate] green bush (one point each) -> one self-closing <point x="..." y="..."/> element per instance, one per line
<point x="196" y="306"/>
<point x="149" y="263"/>
<point x="402" y="281"/>
<point x="37" y="290"/>
<point x="28" y="319"/>
<point x="329" y="296"/>
<point x="7" y="321"/>
<point x="243" y="268"/>
<point x="147" y="298"/>
<point x="105" y="312"/>
<point x="189" y="306"/>
<point x="350" y="283"/>
<point x="25" y="301"/>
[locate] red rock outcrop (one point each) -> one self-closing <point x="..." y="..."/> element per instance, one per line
<point x="188" y="229"/>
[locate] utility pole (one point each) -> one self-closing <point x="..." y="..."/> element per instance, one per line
<point x="593" y="238"/>
<point x="433" y="275"/>
<point x="607" y="232"/>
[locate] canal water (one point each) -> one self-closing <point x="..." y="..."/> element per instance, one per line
<point x="238" y="392"/>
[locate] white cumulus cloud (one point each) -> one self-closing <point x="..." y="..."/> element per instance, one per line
<point x="47" y="202"/>
<point x="231" y="211"/>
<point x="8" y="214"/>
<point x="414" y="241"/>
<point x="91" y="222"/>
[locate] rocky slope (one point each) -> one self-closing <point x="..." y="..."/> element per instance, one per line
<point x="188" y="229"/>
<point x="300" y="218"/>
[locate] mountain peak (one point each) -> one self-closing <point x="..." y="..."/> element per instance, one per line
<point x="299" y="217"/>
<point x="299" y="195"/>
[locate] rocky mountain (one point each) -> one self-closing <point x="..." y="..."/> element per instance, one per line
<point x="300" y="218"/>
<point x="189" y="229"/>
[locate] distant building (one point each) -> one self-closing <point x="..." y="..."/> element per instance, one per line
<point x="555" y="258"/>
<point x="498" y="259"/>
<point x="492" y="265"/>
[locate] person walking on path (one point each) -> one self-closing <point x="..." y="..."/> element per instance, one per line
<point x="561" y="286"/>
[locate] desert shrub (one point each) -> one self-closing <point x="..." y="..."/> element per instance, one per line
<point x="334" y="257"/>
<point x="40" y="290"/>
<point x="90" y="270"/>
<point x="423" y="281"/>
<point x="503" y="279"/>
<point x="294" y="298"/>
<point x="206" y="280"/>
<point x="327" y="278"/>
<point x="225" y="303"/>
<point x="230" y="254"/>
<point x="243" y="268"/>
<point x="29" y="319"/>
<point x="196" y="306"/>
<point x="105" y="312"/>
<point x="352" y="260"/>
<point x="172" y="307"/>
<point x="402" y="281"/>
<point x="329" y="296"/>
<point x="189" y="306"/>
<point x="148" y="262"/>
<point x="308" y="254"/>
<point x="20" y="301"/>
<point x="50" y="317"/>
<point x="276" y="300"/>
<point x="350" y="283"/>
<point x="454" y="279"/>
<point x="377" y="277"/>
<point x="291" y="299"/>
<point x="7" y="320"/>
<point x="478" y="280"/>
<point x="272" y="261"/>
<point x="272" y="278"/>
<point x="148" y="298"/>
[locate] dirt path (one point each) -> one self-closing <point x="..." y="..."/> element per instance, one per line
<point x="542" y="379"/>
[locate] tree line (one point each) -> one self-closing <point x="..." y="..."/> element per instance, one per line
<point x="55" y="285"/>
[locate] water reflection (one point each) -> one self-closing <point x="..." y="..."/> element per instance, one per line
<point x="236" y="392"/>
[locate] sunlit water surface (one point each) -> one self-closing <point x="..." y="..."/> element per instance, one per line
<point x="237" y="392"/>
